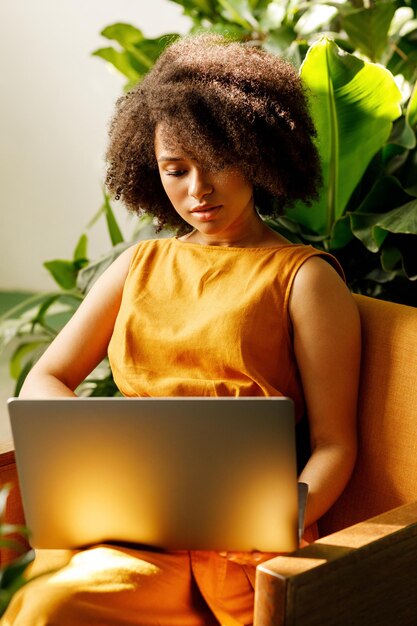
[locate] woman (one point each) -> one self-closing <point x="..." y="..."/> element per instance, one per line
<point x="216" y="135"/>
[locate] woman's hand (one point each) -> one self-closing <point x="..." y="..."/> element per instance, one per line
<point x="255" y="557"/>
<point x="249" y="558"/>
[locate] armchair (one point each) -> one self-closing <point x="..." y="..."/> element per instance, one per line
<point x="363" y="569"/>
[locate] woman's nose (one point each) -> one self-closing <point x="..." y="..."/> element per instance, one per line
<point x="200" y="185"/>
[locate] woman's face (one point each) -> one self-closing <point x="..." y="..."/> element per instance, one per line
<point x="216" y="203"/>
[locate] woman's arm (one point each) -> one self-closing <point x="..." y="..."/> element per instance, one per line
<point x="82" y="343"/>
<point x="327" y="346"/>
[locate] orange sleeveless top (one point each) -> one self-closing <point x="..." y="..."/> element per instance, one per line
<point x="199" y="320"/>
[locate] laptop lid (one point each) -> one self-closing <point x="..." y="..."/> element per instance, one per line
<point x="169" y="473"/>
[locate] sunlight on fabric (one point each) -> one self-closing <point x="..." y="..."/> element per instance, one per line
<point x="109" y="569"/>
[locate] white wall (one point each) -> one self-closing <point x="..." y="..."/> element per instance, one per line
<point x="55" y="103"/>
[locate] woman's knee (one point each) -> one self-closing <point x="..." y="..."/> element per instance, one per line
<point x="41" y="604"/>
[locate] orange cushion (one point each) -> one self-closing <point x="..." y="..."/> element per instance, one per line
<point x="386" y="469"/>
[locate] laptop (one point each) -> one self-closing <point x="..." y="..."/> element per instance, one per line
<point x="162" y="473"/>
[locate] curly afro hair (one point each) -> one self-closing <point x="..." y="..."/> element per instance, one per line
<point x="227" y="103"/>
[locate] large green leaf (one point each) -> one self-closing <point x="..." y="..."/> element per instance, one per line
<point x="113" y="228"/>
<point x="411" y="112"/>
<point x="22" y="376"/>
<point x="386" y="194"/>
<point x="353" y="103"/>
<point x="279" y="39"/>
<point x="404" y="129"/>
<point x="404" y="59"/>
<point x="112" y="225"/>
<point x="238" y="12"/>
<point x="132" y="41"/>
<point x="80" y="252"/>
<point x="63" y="272"/>
<point x="56" y="310"/>
<point x="17" y="360"/>
<point x="372" y="229"/>
<point x="121" y="60"/>
<point x="368" y="28"/>
<point x="124" y="34"/>
<point x="88" y="275"/>
<point x="137" y="55"/>
<point x="22" y="307"/>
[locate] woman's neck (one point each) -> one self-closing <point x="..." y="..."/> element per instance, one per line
<point x="258" y="235"/>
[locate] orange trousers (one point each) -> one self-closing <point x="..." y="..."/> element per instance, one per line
<point x="115" y="586"/>
<point x="118" y="586"/>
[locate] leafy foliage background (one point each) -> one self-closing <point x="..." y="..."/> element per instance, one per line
<point x="358" y="59"/>
<point x="372" y="225"/>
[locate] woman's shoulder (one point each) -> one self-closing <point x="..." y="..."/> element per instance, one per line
<point x="307" y="259"/>
<point x="145" y="248"/>
<point x="320" y="285"/>
<point x="318" y="267"/>
<point x="151" y="244"/>
<point x="295" y="254"/>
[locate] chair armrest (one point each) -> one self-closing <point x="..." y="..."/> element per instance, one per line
<point x="14" y="511"/>
<point x="364" y="574"/>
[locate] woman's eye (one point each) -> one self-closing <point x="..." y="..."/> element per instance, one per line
<point x="175" y="172"/>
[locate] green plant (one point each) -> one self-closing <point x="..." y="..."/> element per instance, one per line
<point x="366" y="116"/>
<point x="365" y="214"/>
<point x="27" y="329"/>
<point x="13" y="575"/>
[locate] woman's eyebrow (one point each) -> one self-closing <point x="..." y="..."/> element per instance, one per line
<point x="169" y="158"/>
<point x="165" y="157"/>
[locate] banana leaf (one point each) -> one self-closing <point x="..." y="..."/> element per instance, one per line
<point x="404" y="134"/>
<point x="373" y="228"/>
<point x="367" y="28"/>
<point x="353" y="104"/>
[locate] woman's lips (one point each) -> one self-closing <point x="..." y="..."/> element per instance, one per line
<point x="206" y="213"/>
